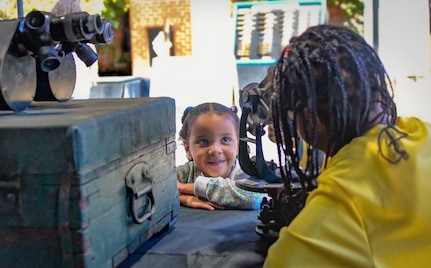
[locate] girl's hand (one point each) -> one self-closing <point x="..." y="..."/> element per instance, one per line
<point x="194" y="202"/>
<point x="186" y="188"/>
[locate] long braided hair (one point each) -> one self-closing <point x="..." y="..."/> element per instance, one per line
<point x="333" y="74"/>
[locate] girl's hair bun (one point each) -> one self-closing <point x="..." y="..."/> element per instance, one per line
<point x="185" y="113"/>
<point x="234" y="109"/>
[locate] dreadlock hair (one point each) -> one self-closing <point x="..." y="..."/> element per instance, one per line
<point x="191" y="113"/>
<point x="337" y="77"/>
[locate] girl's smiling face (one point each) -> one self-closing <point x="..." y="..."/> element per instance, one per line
<point x="213" y="144"/>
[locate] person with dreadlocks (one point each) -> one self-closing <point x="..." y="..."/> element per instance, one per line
<point x="371" y="206"/>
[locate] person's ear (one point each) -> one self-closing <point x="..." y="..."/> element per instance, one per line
<point x="187" y="149"/>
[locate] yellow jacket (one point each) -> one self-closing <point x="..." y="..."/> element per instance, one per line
<point x="366" y="211"/>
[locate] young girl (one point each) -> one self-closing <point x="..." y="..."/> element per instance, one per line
<point x="210" y="135"/>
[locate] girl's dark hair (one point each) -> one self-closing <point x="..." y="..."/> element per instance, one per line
<point x="191" y="113"/>
<point x="333" y="73"/>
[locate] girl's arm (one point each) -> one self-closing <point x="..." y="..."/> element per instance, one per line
<point x="223" y="192"/>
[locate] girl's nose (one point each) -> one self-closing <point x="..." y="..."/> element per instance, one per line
<point x="215" y="148"/>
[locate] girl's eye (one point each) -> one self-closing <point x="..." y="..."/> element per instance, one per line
<point x="203" y="142"/>
<point x="226" y="139"/>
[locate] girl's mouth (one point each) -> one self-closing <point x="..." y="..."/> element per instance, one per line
<point x="216" y="163"/>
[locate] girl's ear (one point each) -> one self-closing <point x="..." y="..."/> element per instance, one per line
<point x="187" y="149"/>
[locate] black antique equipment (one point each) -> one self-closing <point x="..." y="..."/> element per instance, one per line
<point x="286" y="197"/>
<point x="36" y="58"/>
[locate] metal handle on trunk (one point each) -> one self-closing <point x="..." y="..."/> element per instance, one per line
<point x="140" y="197"/>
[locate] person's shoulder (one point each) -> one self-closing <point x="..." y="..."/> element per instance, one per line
<point x="184" y="171"/>
<point x="186" y="166"/>
<point x="411" y="123"/>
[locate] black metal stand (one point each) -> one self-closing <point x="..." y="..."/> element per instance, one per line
<point x="270" y="216"/>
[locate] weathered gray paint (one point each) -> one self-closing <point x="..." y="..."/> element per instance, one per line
<point x="63" y="168"/>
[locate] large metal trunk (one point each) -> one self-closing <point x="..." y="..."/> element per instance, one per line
<point x="83" y="183"/>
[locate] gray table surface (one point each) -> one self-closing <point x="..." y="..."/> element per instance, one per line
<point x="201" y="238"/>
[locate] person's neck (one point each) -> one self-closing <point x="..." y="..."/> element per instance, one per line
<point x="377" y="116"/>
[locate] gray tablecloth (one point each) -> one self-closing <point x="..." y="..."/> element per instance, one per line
<point x="201" y="238"/>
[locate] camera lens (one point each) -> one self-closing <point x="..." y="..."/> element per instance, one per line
<point x="107" y="34"/>
<point x="36" y="21"/>
<point x="48" y="58"/>
<point x="74" y="27"/>
<point x="50" y="64"/>
<point x="94" y="24"/>
<point x="86" y="54"/>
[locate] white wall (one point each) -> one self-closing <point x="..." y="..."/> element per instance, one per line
<point x="212" y="28"/>
<point x="209" y="74"/>
<point x="404" y="36"/>
<point x="404" y="47"/>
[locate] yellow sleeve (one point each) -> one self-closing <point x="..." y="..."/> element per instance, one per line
<point x="321" y="236"/>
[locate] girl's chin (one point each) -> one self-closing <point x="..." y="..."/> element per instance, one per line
<point x="214" y="173"/>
